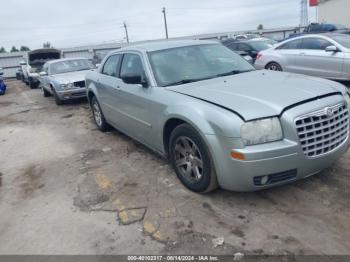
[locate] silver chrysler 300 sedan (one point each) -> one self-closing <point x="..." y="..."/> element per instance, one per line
<point x="324" y="55"/>
<point x="218" y="120"/>
<point x="65" y="78"/>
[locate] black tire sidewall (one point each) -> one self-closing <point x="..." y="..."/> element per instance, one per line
<point x="45" y="92"/>
<point x="187" y="131"/>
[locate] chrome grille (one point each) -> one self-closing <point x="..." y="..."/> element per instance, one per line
<point x="323" y="131"/>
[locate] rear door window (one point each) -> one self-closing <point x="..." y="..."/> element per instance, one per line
<point x="315" y="44"/>
<point x="295" y="44"/>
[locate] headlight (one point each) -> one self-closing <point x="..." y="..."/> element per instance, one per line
<point x="67" y="86"/>
<point x="261" y="131"/>
<point x="347" y="98"/>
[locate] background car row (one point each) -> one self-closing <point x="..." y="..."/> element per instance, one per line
<point x="324" y="55"/>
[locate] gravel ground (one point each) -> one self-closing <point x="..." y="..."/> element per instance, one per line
<point x="67" y="188"/>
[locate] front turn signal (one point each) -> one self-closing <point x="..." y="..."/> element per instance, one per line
<point x="238" y="156"/>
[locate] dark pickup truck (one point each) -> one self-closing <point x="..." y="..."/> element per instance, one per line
<point x="316" y="28"/>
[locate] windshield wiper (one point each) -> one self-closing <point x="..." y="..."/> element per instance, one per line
<point x="186" y="81"/>
<point x="234" y="72"/>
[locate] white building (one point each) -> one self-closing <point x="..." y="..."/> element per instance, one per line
<point x="334" y="11"/>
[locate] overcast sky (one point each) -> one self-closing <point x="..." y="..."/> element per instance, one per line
<point x="67" y="23"/>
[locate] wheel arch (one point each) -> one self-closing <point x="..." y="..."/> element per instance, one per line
<point x="173" y="121"/>
<point x="90" y="95"/>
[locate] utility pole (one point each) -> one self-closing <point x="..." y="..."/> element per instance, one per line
<point x="165" y="23"/>
<point x="304" y="16"/>
<point x="126" y="32"/>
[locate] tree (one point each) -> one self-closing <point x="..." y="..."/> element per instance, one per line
<point x="47" y="45"/>
<point x="260" y="27"/>
<point x="2" y="50"/>
<point x="24" y="48"/>
<point x="14" y="49"/>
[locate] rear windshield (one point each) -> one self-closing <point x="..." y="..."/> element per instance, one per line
<point x="261" y="45"/>
<point x="343" y="40"/>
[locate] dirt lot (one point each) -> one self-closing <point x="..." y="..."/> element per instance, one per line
<point x="67" y="188"/>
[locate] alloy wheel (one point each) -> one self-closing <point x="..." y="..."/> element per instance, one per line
<point x="188" y="159"/>
<point x="274" y="67"/>
<point x="97" y="114"/>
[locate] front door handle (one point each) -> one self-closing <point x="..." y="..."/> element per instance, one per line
<point x="302" y="54"/>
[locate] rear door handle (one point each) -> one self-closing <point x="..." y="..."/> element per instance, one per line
<point x="302" y="54"/>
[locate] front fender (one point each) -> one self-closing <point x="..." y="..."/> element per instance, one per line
<point x="91" y="88"/>
<point x="55" y="85"/>
<point x="207" y="119"/>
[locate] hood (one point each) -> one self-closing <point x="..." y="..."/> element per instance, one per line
<point x="40" y="56"/>
<point x="70" y="77"/>
<point x="257" y="94"/>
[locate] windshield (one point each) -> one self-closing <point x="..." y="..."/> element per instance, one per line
<point x="343" y="40"/>
<point x="195" y="63"/>
<point x="70" y="66"/>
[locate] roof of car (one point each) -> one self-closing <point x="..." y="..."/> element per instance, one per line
<point x="161" y="45"/>
<point x="328" y="34"/>
<point x="333" y="34"/>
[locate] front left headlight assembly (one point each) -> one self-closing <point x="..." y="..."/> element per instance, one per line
<point x="67" y="86"/>
<point x="261" y="131"/>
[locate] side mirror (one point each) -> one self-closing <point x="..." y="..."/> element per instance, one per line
<point x="134" y="80"/>
<point x="22" y="63"/>
<point x="332" y="48"/>
<point x="43" y="73"/>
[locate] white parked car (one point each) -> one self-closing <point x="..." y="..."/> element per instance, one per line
<point x="34" y="62"/>
<point x="324" y="55"/>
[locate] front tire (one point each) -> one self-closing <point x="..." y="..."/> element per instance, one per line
<point x="191" y="160"/>
<point x="32" y="85"/>
<point x="98" y="115"/>
<point x="58" y="100"/>
<point x="45" y="92"/>
<point x="273" y="66"/>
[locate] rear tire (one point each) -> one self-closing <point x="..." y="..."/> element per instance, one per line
<point x="273" y="66"/>
<point x="98" y="115"/>
<point x="191" y="160"/>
